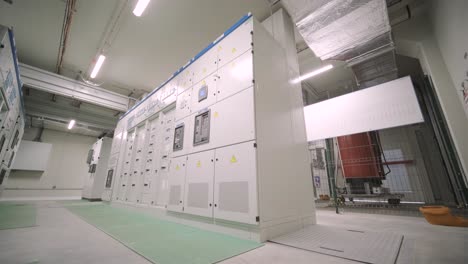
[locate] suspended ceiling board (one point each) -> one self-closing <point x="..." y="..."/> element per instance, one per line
<point x="386" y="105"/>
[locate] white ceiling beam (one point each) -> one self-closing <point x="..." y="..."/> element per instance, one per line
<point x="56" y="84"/>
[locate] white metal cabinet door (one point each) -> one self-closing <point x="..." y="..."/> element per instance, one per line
<point x="138" y="164"/>
<point x="124" y="178"/>
<point x="185" y="80"/>
<point x="235" y="76"/>
<point x="162" y="193"/>
<point x="204" y="93"/>
<point x="235" y="43"/>
<point x="176" y="184"/>
<point x="233" y="119"/>
<point x="235" y="193"/>
<point x="170" y="94"/>
<point x="183" y="108"/>
<point x="205" y="65"/>
<point x="199" y="184"/>
<point x="167" y="134"/>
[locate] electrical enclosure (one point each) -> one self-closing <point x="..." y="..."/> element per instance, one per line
<point x="216" y="141"/>
<point x="11" y="104"/>
<point x="97" y="177"/>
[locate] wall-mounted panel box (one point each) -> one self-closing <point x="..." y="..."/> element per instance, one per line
<point x="227" y="151"/>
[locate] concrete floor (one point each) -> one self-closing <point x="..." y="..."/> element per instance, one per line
<point x="61" y="237"/>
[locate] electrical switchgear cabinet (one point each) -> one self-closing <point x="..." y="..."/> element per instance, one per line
<point x="226" y="150"/>
<point x="97" y="177"/>
<point x="11" y="104"/>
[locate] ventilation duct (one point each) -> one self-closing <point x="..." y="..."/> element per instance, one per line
<point x="355" y="31"/>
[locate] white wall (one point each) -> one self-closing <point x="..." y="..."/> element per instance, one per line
<point x="65" y="170"/>
<point x="450" y="24"/>
<point x="415" y="38"/>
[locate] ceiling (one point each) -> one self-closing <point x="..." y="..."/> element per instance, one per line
<point x="54" y="112"/>
<point x="143" y="51"/>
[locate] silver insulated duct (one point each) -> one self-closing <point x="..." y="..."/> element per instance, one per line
<point x="355" y="31"/>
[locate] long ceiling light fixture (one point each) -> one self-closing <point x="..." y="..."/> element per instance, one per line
<point x="313" y="73"/>
<point x="140" y="7"/>
<point x="71" y="124"/>
<point x="97" y="66"/>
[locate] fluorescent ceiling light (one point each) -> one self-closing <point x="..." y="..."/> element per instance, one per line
<point x="71" y="124"/>
<point x="97" y="66"/>
<point x="313" y="73"/>
<point x="140" y="7"/>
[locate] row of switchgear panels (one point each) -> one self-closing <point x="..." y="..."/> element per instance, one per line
<point x="11" y="104"/>
<point x="197" y="153"/>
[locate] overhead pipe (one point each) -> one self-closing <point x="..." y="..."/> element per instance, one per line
<point x="67" y="20"/>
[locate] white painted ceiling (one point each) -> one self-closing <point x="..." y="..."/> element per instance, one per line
<point x="146" y="50"/>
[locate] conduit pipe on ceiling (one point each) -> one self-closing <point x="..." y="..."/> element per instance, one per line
<point x="67" y="21"/>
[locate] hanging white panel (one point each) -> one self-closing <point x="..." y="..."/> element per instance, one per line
<point x="32" y="156"/>
<point x="386" y="105"/>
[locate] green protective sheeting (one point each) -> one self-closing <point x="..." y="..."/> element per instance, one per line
<point x="17" y="215"/>
<point x="162" y="242"/>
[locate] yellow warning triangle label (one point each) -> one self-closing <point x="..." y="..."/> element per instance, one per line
<point x="198" y="164"/>
<point x="177" y="167"/>
<point x="233" y="50"/>
<point x="233" y="159"/>
<point x="220" y="48"/>
<point x="216" y="114"/>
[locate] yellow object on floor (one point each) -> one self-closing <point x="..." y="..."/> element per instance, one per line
<point x="441" y="215"/>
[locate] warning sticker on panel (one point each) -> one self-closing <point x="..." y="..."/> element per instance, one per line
<point x="233" y="159"/>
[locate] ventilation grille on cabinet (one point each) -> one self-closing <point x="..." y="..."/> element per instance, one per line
<point x="198" y="195"/>
<point x="234" y="196"/>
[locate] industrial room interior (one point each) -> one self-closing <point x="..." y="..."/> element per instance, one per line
<point x="234" y="131"/>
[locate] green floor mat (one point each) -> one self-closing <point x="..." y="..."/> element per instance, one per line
<point x="17" y="215"/>
<point x="162" y="242"/>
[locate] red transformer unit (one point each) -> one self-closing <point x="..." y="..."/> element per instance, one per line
<point x="361" y="156"/>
